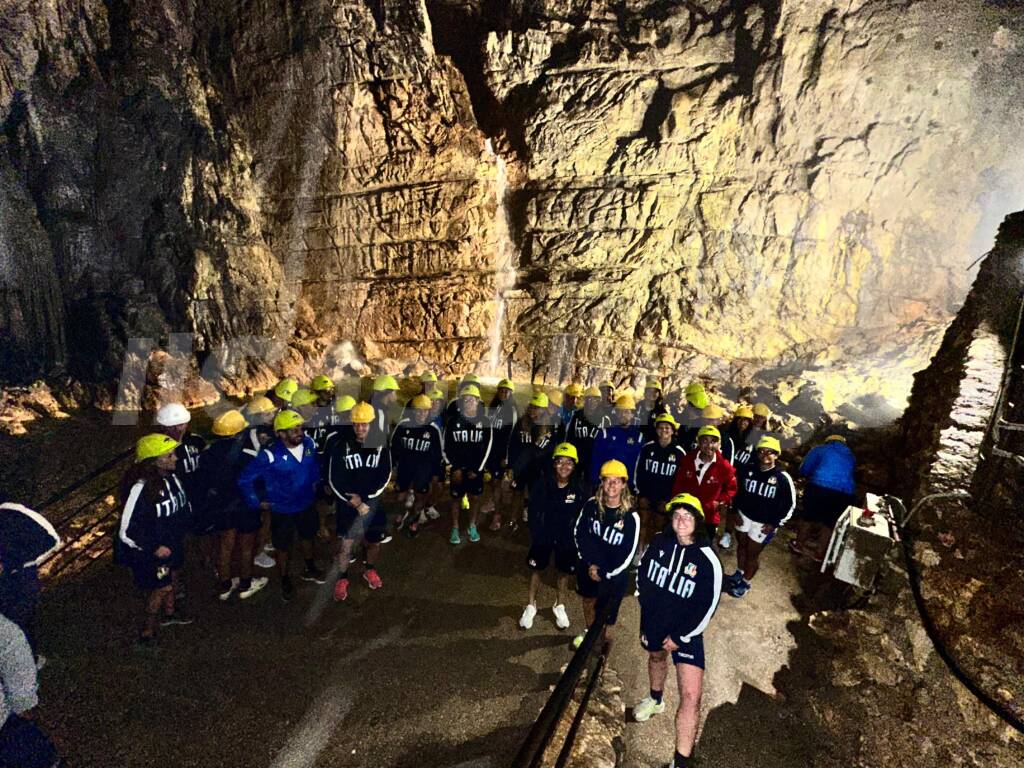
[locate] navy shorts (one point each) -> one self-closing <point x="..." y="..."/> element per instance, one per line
<point x="540" y="555"/>
<point x="151" y="573"/>
<point x="416" y="475"/>
<point x="691" y="653"/>
<point x="471" y="487"/>
<point x="239" y="517"/>
<point x="351" y="526"/>
<point x="605" y="592"/>
<point x="824" y="505"/>
<point x="284" y="528"/>
<point x="23" y="744"/>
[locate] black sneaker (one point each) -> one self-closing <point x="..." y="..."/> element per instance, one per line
<point x="314" y="574"/>
<point x="176" y="618"/>
<point x="287" y="589"/>
<point x="411" y="531"/>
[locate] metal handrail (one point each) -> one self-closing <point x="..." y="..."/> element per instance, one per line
<point x="531" y="753"/>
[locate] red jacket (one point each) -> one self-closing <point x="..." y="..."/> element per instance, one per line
<point x="718" y="485"/>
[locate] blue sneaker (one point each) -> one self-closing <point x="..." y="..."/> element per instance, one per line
<point x="732" y="580"/>
<point x="454" y="538"/>
<point x="739" y="589"/>
<point x="473" y="534"/>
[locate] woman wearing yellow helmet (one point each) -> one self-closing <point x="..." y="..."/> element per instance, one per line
<point x="151" y="535"/>
<point x="503" y="416"/>
<point x="652" y="406"/>
<point x="679" y="583"/>
<point x="607" y="535"/>
<point x="584" y="427"/>
<point x="467" y="445"/>
<point x="531" y="440"/>
<point x="738" y="441"/>
<point x="655" y="472"/>
<point x="555" y="502"/>
<point x="416" y="452"/>
<point x="236" y="522"/>
<point x="764" y="503"/>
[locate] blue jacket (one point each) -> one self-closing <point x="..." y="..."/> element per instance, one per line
<point x="290" y="486"/>
<point x="678" y="588"/>
<point x="615" y="442"/>
<point x="830" y="466"/>
<point x="608" y="542"/>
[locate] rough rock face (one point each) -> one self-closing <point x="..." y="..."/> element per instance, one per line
<point x="712" y="188"/>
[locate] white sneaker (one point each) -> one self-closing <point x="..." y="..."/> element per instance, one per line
<point x="257" y="584"/>
<point x="647" y="709"/>
<point x="526" y="621"/>
<point x="410" y="500"/>
<point x="386" y="539"/>
<point x="263" y="560"/>
<point x="269" y="548"/>
<point x="432" y="513"/>
<point x="726" y="541"/>
<point x="422" y="519"/>
<point x="561" y="617"/>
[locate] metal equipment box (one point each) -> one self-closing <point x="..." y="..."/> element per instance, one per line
<point x="860" y="543"/>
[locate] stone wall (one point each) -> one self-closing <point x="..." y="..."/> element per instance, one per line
<point x="731" y="189"/>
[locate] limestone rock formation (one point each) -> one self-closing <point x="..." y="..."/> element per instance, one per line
<point x="743" y="189"/>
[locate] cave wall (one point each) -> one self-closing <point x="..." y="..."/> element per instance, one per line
<point x="700" y="188"/>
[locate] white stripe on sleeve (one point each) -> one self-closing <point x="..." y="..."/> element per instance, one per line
<point x="716" y="568"/>
<point x="129" y="510"/>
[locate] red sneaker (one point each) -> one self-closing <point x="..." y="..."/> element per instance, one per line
<point x="340" y="590"/>
<point x="373" y="579"/>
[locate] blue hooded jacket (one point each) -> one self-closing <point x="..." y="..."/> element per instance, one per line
<point x="830" y="466"/>
<point x="289" y="485"/>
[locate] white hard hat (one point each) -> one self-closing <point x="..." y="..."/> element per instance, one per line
<point x="173" y="414"/>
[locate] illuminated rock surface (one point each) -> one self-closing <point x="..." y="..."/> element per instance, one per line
<point x="786" y="189"/>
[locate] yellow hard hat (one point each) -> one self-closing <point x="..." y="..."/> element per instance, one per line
<point x="712" y="411"/>
<point x="153" y="445"/>
<point x="435" y="394"/>
<point x="539" y="399"/>
<point x="260" y="404"/>
<point x="428" y="377"/>
<point x="653" y="384"/>
<point x="507" y="384"/>
<point x="470" y="390"/>
<point x="574" y="390"/>
<point x="592" y="392"/>
<point x="285" y="388"/>
<point x="287" y="420"/>
<point x="555" y="396"/>
<point x="420" y="401"/>
<point x="666" y="418"/>
<point x="470" y="378"/>
<point x="322" y="384"/>
<point x="760" y="409"/>
<point x="303" y="397"/>
<point x="362" y="413"/>
<point x="385" y="383"/>
<point x="696" y="396"/>
<point x="835" y="438"/>
<point x="229" y="423"/>
<point x="769" y="442"/>
<point x="687" y="500"/>
<point x="344" y="403"/>
<point x="743" y="412"/>
<point x="709" y="430"/>
<point x="614" y="468"/>
<point x="625" y="402"/>
<point x="607" y="383"/>
<point x="566" y="450"/>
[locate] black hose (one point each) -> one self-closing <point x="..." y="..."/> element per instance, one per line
<point x="914" y="577"/>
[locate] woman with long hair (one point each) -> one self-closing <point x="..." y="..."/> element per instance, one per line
<point x="151" y="536"/>
<point x="607" y="534"/>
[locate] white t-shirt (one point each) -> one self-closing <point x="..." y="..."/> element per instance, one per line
<point x="297" y="452"/>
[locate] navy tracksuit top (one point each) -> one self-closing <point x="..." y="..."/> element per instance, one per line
<point x="359" y="468"/>
<point x="679" y="587"/>
<point x="655" y="470"/>
<point x="765" y="496"/>
<point x="607" y="541"/>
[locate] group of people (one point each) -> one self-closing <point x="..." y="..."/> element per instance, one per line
<point x="607" y="485"/>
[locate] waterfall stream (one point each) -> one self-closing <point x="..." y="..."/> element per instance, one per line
<point x="504" y="261"/>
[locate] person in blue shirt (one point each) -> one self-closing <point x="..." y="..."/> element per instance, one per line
<point x="607" y="534"/>
<point x="283" y="480"/>
<point x="679" y="584"/>
<point x="830" y="489"/>
<point x="621" y="441"/>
